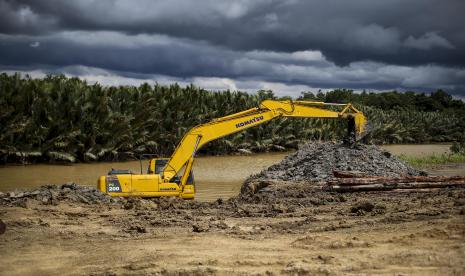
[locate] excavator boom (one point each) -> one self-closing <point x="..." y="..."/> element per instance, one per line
<point x="268" y="110"/>
<point x="173" y="179"/>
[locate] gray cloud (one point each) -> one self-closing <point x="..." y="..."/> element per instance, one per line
<point x="373" y="38"/>
<point x="357" y="44"/>
<point x="344" y="31"/>
<point x="16" y="18"/>
<point x="428" y="41"/>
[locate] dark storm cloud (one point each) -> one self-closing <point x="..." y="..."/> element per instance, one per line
<point x="345" y="31"/>
<point x="358" y="44"/>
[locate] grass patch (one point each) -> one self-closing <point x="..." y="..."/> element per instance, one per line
<point x="433" y="159"/>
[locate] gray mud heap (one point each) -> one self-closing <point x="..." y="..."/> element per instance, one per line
<point x="54" y="194"/>
<point x="318" y="161"/>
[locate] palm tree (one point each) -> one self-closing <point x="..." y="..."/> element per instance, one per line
<point x="66" y="119"/>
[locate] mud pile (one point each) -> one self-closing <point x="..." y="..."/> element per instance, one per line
<point x="75" y="194"/>
<point x="53" y="194"/>
<point x="317" y="162"/>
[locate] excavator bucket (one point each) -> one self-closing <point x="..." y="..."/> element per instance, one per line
<point x="357" y="128"/>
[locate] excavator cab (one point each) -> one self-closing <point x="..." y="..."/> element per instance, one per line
<point x="157" y="165"/>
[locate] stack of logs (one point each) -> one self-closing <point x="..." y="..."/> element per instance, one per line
<point x="356" y="182"/>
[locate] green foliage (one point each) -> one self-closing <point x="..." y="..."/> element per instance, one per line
<point x="434" y="159"/>
<point x="437" y="101"/>
<point x="458" y="147"/>
<point x="66" y="119"/>
<point x="409" y="126"/>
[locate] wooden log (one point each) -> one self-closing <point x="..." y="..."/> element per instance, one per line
<point x="396" y="186"/>
<point x="395" y="180"/>
<point x="360" y="188"/>
<point x="416" y="185"/>
<point x="361" y="183"/>
<point x="424" y="190"/>
<point x="349" y="174"/>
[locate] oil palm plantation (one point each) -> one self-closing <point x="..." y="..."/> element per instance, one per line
<point x="68" y="120"/>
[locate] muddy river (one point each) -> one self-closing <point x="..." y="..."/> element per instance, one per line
<point x="216" y="176"/>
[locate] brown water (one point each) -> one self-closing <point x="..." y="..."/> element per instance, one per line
<point x="216" y="176"/>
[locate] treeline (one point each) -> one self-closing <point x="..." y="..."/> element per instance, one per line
<point x="65" y="119"/>
<point x="407" y="117"/>
<point x="436" y="101"/>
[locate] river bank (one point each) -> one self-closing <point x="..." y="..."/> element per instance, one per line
<point x="35" y="158"/>
<point x="216" y="176"/>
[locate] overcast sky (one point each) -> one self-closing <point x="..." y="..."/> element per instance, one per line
<point x="285" y="45"/>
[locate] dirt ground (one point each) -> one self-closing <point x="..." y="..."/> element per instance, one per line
<point x="296" y="230"/>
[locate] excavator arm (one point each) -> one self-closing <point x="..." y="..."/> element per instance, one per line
<point x="198" y="136"/>
<point x="172" y="177"/>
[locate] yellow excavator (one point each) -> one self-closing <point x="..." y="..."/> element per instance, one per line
<point x="173" y="176"/>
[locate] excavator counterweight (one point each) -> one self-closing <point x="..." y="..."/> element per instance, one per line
<point x="173" y="176"/>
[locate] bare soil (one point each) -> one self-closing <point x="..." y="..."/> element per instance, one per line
<point x="273" y="227"/>
<point x="298" y="231"/>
